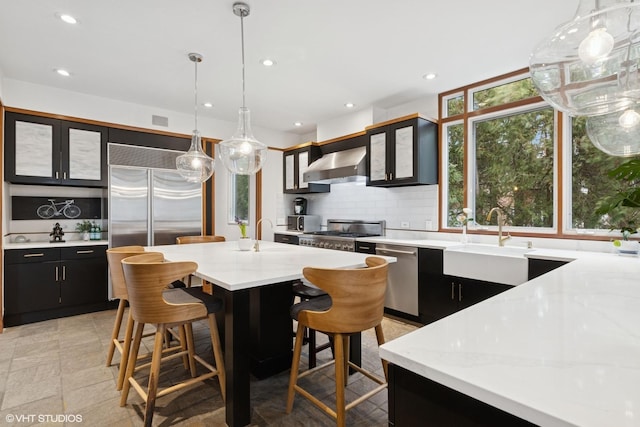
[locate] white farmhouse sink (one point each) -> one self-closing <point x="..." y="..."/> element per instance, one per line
<point x="491" y="263"/>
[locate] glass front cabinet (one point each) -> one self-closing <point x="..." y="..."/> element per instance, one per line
<point x="42" y="150"/>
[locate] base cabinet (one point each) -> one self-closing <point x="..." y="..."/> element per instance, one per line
<point x="440" y="295"/>
<point x="48" y="283"/>
<point x="417" y="401"/>
<point x="285" y="238"/>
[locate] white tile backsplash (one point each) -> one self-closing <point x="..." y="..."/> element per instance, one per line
<point x="416" y="204"/>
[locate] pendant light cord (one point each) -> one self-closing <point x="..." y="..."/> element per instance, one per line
<point x="242" y="14"/>
<point x="195" y="94"/>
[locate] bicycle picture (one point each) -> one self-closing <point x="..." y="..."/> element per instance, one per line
<point x="67" y="208"/>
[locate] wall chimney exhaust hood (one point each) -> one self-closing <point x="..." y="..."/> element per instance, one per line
<point x="337" y="167"/>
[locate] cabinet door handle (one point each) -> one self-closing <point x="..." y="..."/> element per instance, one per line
<point x="395" y="251"/>
<point x="64" y="273"/>
<point x="285" y="239"/>
<point x="390" y="176"/>
<point x="88" y="251"/>
<point x="64" y="175"/>
<point x="32" y="255"/>
<point x="57" y="175"/>
<point x="453" y="291"/>
<point x="460" y="292"/>
<point x="366" y="248"/>
<point x="57" y="275"/>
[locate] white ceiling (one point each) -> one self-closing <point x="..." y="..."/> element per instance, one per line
<point x="328" y="52"/>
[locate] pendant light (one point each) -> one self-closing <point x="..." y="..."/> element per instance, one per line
<point x="195" y="165"/>
<point x="589" y="65"/>
<point x="617" y="134"/>
<point x="243" y="154"/>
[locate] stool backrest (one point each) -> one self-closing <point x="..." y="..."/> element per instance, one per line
<point x="114" y="259"/>
<point x="147" y="276"/>
<point x="357" y="297"/>
<point x="199" y="239"/>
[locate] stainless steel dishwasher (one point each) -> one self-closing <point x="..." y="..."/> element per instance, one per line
<point x="402" y="288"/>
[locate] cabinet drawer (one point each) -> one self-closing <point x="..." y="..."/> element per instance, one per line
<point x="24" y="256"/>
<point x="81" y="252"/>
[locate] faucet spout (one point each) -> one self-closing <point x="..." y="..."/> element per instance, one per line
<point x="256" y="246"/>
<point x="500" y="215"/>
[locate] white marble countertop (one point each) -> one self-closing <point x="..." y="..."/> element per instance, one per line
<point x="560" y="350"/>
<point x="68" y="243"/>
<point x="226" y="266"/>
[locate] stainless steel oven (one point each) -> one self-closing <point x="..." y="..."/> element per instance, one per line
<point x="341" y="234"/>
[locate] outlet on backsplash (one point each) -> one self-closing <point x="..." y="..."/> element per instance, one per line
<point x="404" y="224"/>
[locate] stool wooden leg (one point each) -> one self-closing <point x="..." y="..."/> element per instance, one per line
<point x="186" y="360"/>
<point x="380" y="338"/>
<point x="339" y="344"/>
<point x="131" y="363"/>
<point x="217" y="354"/>
<point x="116" y="331"/>
<point x="293" y="377"/>
<point x="188" y="331"/>
<point x="154" y="375"/>
<point x="126" y="348"/>
<point x="312" y="348"/>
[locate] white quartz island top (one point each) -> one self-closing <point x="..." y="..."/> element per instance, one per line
<point x="560" y="350"/>
<point x="230" y="268"/>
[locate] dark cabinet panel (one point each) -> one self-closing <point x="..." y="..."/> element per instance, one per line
<point x="47" y="283"/>
<point x="285" y="238"/>
<point x="41" y="150"/>
<point x="538" y="267"/>
<point x="403" y="153"/>
<point x="366" y="247"/>
<point x="295" y="163"/>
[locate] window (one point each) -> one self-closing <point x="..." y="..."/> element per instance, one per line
<point x="238" y="197"/>
<point x="513" y="167"/>
<point x="502" y="150"/>
<point x="590" y="183"/>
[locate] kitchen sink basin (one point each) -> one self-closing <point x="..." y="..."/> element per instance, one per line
<point x="491" y="263"/>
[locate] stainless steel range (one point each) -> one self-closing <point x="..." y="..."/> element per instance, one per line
<point x="341" y="234"/>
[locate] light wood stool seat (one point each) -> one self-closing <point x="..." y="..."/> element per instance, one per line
<point x="307" y="292"/>
<point x="182" y="240"/>
<point x="355" y="304"/>
<point x="146" y="277"/>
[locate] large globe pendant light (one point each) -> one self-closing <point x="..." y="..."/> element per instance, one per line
<point x="195" y="165"/>
<point x="617" y="134"/>
<point x="589" y="65"/>
<point x="243" y="154"/>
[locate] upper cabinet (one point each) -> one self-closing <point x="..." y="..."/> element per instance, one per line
<point x="296" y="163"/>
<point x="41" y="150"/>
<point x="403" y="153"/>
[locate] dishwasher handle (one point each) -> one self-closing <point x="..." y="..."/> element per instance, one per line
<point x="395" y="251"/>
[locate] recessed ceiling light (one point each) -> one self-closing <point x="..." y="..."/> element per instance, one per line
<point x="63" y="72"/>
<point x="208" y="104"/>
<point x="349" y="105"/>
<point x="297" y="124"/>
<point x="67" y="18"/>
<point x="268" y="62"/>
<point x="429" y="76"/>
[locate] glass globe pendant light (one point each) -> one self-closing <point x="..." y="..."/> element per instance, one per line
<point x="195" y="165"/>
<point x="243" y="154"/>
<point x="617" y="134"/>
<point x="588" y="66"/>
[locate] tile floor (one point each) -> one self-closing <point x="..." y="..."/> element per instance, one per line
<point x="54" y="370"/>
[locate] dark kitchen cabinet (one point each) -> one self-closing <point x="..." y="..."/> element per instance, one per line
<point x="285" y="238"/>
<point x="47" y="283"/>
<point x="42" y="150"/>
<point x="403" y="153"/>
<point x="440" y="295"/>
<point x="366" y="247"/>
<point x="538" y="267"/>
<point x="295" y="163"/>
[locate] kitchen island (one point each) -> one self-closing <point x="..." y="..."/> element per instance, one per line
<point x="559" y="350"/>
<point x="256" y="289"/>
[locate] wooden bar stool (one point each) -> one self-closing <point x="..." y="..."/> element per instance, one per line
<point x="114" y="259"/>
<point x="355" y="303"/>
<point x="147" y="277"/>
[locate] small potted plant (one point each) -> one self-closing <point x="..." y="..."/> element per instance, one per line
<point x="84" y="227"/>
<point x="245" y="243"/>
<point x="464" y="217"/>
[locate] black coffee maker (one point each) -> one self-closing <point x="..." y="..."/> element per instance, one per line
<point x="300" y="206"/>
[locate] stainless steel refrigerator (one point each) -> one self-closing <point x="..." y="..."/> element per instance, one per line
<point x="149" y="202"/>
